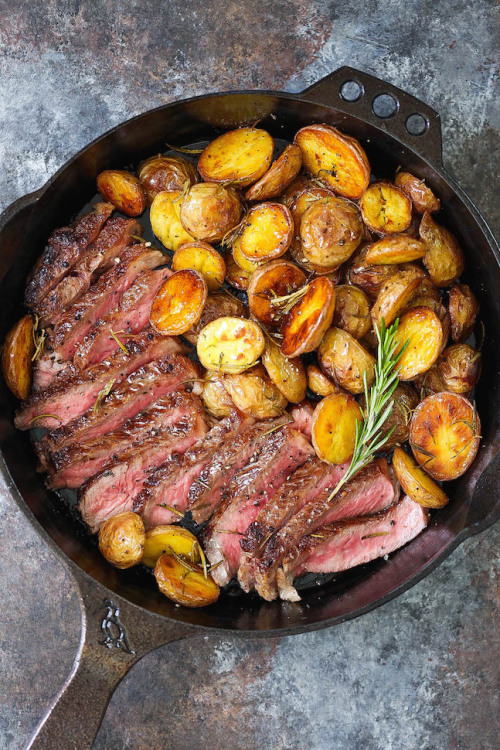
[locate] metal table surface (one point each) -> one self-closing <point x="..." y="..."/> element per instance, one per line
<point x="419" y="673"/>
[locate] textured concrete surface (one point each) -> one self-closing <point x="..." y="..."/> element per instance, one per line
<point x="419" y="673"/>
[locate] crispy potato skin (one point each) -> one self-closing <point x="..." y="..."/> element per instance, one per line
<point x="318" y="383"/>
<point x="463" y="308"/>
<point x="238" y="157"/>
<point x="429" y="382"/>
<point x="178" y="303"/>
<point x="254" y="393"/>
<point x="416" y="483"/>
<point x="267" y="232"/>
<point x="422" y="329"/>
<point x="444" y="435"/>
<point x="163" y="539"/>
<point x="201" y="257"/>
<point x="278" y="177"/>
<point x="334" y="427"/>
<point x="276" y="279"/>
<point x="121" y="539"/>
<point x="342" y="358"/>
<point x="299" y="258"/>
<point x="230" y="345"/>
<point x="305" y="324"/>
<point x="330" y="231"/>
<point x="209" y="211"/>
<point x="444" y="259"/>
<point x="459" y="368"/>
<point x="421" y="196"/>
<point x="385" y="208"/>
<point x="218" y="305"/>
<point x="124" y="190"/>
<point x="405" y="400"/>
<point x="235" y="276"/>
<point x="352" y="310"/>
<point x="17" y="353"/>
<point x="395" y="294"/>
<point x="184" y="585"/>
<point x="289" y="375"/>
<point x="165" y="222"/>
<point x="159" y="173"/>
<point x="398" y="248"/>
<point x="304" y="199"/>
<point x="215" y="397"/>
<point x="369" y="277"/>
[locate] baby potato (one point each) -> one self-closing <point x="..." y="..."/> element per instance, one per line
<point x="254" y="393"/>
<point x="271" y="282"/>
<point x="459" y="367"/>
<point x="404" y="401"/>
<point x="123" y="190"/>
<point x="318" y="383"/>
<point x="167" y="538"/>
<point x="336" y="159"/>
<point x="422" y="329"/>
<point x="122" y="538"/>
<point x="385" y="208"/>
<point x="236" y="276"/>
<point x="312" y="269"/>
<point x="368" y="277"/>
<point x="179" y="303"/>
<point x="165" y="222"/>
<point x="352" y="310"/>
<point x="463" y="308"/>
<point x="429" y="382"/>
<point x="230" y="345"/>
<point x="342" y="358"/>
<point x="184" y="582"/>
<point x="209" y="211"/>
<point x="216" y="398"/>
<point x="159" y="173"/>
<point x="304" y="199"/>
<point x="330" y="231"/>
<point x="242" y="261"/>
<point x="416" y="483"/>
<point x="395" y="294"/>
<point x="17" y="357"/>
<point x="289" y="375"/>
<point x="305" y="324"/>
<point x="238" y="157"/>
<point x="421" y="196"/>
<point x="398" y="248"/>
<point x="333" y="429"/>
<point x="201" y="257"/>
<point x="217" y="306"/>
<point x="278" y="177"/>
<point x="444" y="259"/>
<point x="267" y="232"/>
<point x="299" y="184"/>
<point x="444" y="435"/>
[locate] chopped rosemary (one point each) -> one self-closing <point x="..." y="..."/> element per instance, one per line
<point x="120" y="343"/>
<point x="286" y="302"/>
<point x="102" y="394"/>
<point x="279" y="426"/>
<point x="228" y="531"/>
<point x="42" y="416"/>
<point x="375" y="533"/>
<point x="317" y="536"/>
<point x="171" y="509"/>
<point x="203" y="561"/>
<point x="39" y="336"/>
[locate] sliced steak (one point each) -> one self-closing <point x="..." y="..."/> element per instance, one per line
<point x="345" y="544"/>
<point x="302" y="416"/>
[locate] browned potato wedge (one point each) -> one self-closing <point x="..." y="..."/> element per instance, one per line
<point x="369" y="278"/>
<point x="278" y="177"/>
<point x="179" y="303"/>
<point x="305" y="324"/>
<point x="159" y="173"/>
<point x="254" y="393"/>
<point x="167" y="539"/>
<point x="273" y="281"/>
<point x="405" y="400"/>
<point x="209" y="211"/>
<point x="242" y="261"/>
<point x="318" y="383"/>
<point x="422" y="329"/>
<point x="427" y="289"/>
<point x="305" y="199"/>
<point x="165" y="222"/>
<point x="416" y="483"/>
<point x="333" y="429"/>
<point x="395" y="294"/>
<point x="421" y="196"/>
<point x="399" y="248"/>
<point x="267" y="232"/>
<point x="444" y="435"/>
<point x="201" y="257"/>
<point x="230" y="345"/>
<point x="289" y="375"/>
<point x="217" y="400"/>
<point x="330" y="231"/>
<point x="184" y="582"/>
<point x="352" y="310"/>
<point x="343" y="358"/>
<point x="385" y="208"/>
<point x="336" y="159"/>
<point x="218" y="305"/>
<point x="123" y="190"/>
<point x="239" y="157"/>
<point x="121" y="539"/>
<point x="444" y="258"/>
<point x="459" y="368"/>
<point x="463" y="307"/>
<point x="236" y="276"/>
<point x="17" y="357"/>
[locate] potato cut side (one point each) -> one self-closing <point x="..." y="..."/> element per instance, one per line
<point x="230" y="345"/>
<point x="400" y="248"/>
<point x="168" y="538"/>
<point x="165" y="222"/>
<point x="278" y="177"/>
<point x="352" y="310"/>
<point x="215" y="397"/>
<point x="201" y="257"/>
<point x="124" y="190"/>
<point x="17" y="357"/>
<point x="463" y="308"/>
<point x="254" y="393"/>
<point x="334" y="427"/>
<point x="300" y="183"/>
<point x="385" y="208"/>
<point x="318" y="383"/>
<point x="344" y="360"/>
<point x="420" y="194"/>
<point x="242" y="261"/>
<point x="305" y="324"/>
<point x="395" y="294"/>
<point x="422" y="329"/>
<point x="235" y="276"/>
<point x="268" y="286"/>
<point x="416" y="483"/>
<point x="444" y="258"/>
<point x="330" y="231"/>
<point x="159" y="173"/>
<point x="179" y="303"/>
<point x="267" y="232"/>
<point x="459" y="368"/>
<point x="289" y="375"/>
<point x="209" y="211"/>
<point x="122" y="538"/>
<point x="184" y="582"/>
<point x="239" y="157"/>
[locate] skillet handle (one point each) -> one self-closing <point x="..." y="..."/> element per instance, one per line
<point x="356" y="93"/>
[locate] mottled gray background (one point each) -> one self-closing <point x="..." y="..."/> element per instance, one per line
<point x="420" y="673"/>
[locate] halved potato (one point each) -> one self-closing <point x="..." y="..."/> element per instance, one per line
<point x="179" y="303"/>
<point x="385" y="208"/>
<point x="305" y="324"/>
<point x="333" y="429"/>
<point x="242" y="261"/>
<point x="404" y="401"/>
<point x="209" y="211"/>
<point x="17" y="357"/>
<point x="201" y="257"/>
<point x="304" y="199"/>
<point x="121" y="539"/>
<point x="312" y="268"/>
<point x="278" y="177"/>
<point x="272" y="281"/>
<point x="343" y="358"/>
<point x="218" y="305"/>
<point x="267" y="232"/>
<point x="368" y="277"/>
<point x="167" y="538"/>
<point x="215" y="397"/>
<point x="416" y="483"/>
<point x="236" y="276"/>
<point x="444" y="435"/>
<point x="352" y="310"/>
<point x="421" y="196"/>
<point x="254" y="393"/>
<point x="239" y="157"/>
<point x="318" y="383"/>
<point x="184" y="582"/>
<point x="395" y="294"/>
<point x="463" y="307"/>
<point x="330" y="231"/>
<point x="300" y="183"/>
<point x="459" y="368"/>
<point x="399" y="248"/>
<point x="289" y="375"/>
<point x="336" y="159"/>
<point x="159" y="173"/>
<point x="165" y="222"/>
<point x="444" y="258"/>
<point x="230" y="345"/>
<point x="124" y="190"/>
<point x="422" y="329"/>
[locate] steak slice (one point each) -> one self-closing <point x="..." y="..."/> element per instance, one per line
<point x="116" y="488"/>
<point x="63" y="249"/>
<point x="345" y="544"/>
<point x="302" y="417"/>
<point x="372" y="489"/>
<point x="250" y="489"/>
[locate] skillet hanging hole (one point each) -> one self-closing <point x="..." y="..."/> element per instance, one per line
<point x="351" y="91"/>
<point x="417" y="124"/>
<point x="385" y="106"/>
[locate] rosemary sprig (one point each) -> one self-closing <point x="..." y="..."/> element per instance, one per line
<point x="102" y="394"/>
<point x="286" y="302"/>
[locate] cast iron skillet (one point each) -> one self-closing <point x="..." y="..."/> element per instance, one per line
<point x="124" y="617"/>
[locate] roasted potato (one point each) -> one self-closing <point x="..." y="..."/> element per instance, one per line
<point x="218" y="305"/>
<point x="369" y="278"/>
<point x="397" y="248"/>
<point x="209" y="211"/>
<point x="385" y="208"/>
<point x="352" y="310"/>
<point x="216" y="398"/>
<point x="444" y="435"/>
<point x="268" y="285"/>
<point x="429" y="382"/>
<point x="334" y="427"/>
<point x="289" y="375"/>
<point x="201" y="257"/>
<point x="404" y="401"/>
<point x="230" y="345"/>
<point x="395" y="294"/>
<point x="336" y="159"/>
<point x="304" y="199"/>
<point x="305" y="324"/>
<point x="318" y="383"/>
<point x="238" y="157"/>
<point x="330" y="231"/>
<point x="267" y="232"/>
<point x="422" y="329"/>
<point x="254" y="393"/>
<point x="123" y="190"/>
<point x="179" y="303"/>
<point x="184" y="582"/>
<point x="165" y="222"/>
<point x="342" y="358"/>
<point x="159" y="173"/>
<point x="278" y="177"/>
<point x="236" y="276"/>
<point x="300" y="183"/>
<point x="463" y="308"/>
<point x="459" y="367"/>
<point x="17" y="357"/>
<point x="416" y="483"/>
<point x="421" y="196"/>
<point x="444" y="259"/>
<point x="122" y="538"/>
<point x="299" y="258"/>
<point x="242" y="261"/>
<point x="167" y="539"/>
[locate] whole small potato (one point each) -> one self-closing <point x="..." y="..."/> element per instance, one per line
<point x="330" y="231"/>
<point x="254" y="393"/>
<point x="209" y="211"/>
<point x="217" y="400"/>
<point x="463" y="307"/>
<point x="459" y="367"/>
<point x="352" y="310"/>
<point x="159" y="173"/>
<point x="122" y="538"/>
<point x="344" y="360"/>
<point x="318" y="383"/>
<point x="368" y="276"/>
<point x="420" y="194"/>
<point x="123" y="190"/>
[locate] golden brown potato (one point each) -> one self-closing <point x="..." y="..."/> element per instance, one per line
<point x="385" y="208"/>
<point x="352" y="310"/>
<point x="242" y="261"/>
<point x="230" y="345"/>
<point x="209" y="211"/>
<point x="217" y="400"/>
<point x="123" y="190"/>
<point x="398" y="248"/>
<point x="333" y="428"/>
<point x="444" y="435"/>
<point x="239" y="157"/>
<point x="427" y="289"/>
<point x="167" y="538"/>
<point x="17" y="357"/>
<point x="422" y="329"/>
<point x="444" y="258"/>
<point x="429" y="382"/>
<point x="405" y="400"/>
<point x="218" y="305"/>
<point x="267" y="232"/>
<point x="273" y="281"/>
<point x="421" y="196"/>
<point x="306" y="322"/>
<point x="395" y="294"/>
<point x="416" y="483"/>
<point x="330" y="231"/>
<point x="459" y="368"/>
<point x="254" y="393"/>
<point x="336" y="159"/>
<point x="318" y="383"/>
<point x="236" y="276"/>
<point x="178" y="303"/>
<point x="304" y="199"/>
<point x="121" y="539"/>
<point x="165" y="222"/>
<point x="369" y="278"/>
<point x="463" y="307"/>
<point x="159" y="173"/>
<point x="278" y="177"/>
<point x="343" y="358"/>
<point x="301" y="183"/>
<point x="201" y="257"/>
<point x="184" y="582"/>
<point x="289" y="375"/>
<point x="300" y="259"/>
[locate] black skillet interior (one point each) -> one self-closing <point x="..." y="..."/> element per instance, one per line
<point x="200" y="120"/>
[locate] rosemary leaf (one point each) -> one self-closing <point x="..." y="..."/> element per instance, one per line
<point x="120" y="343"/>
<point x="102" y="394"/>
